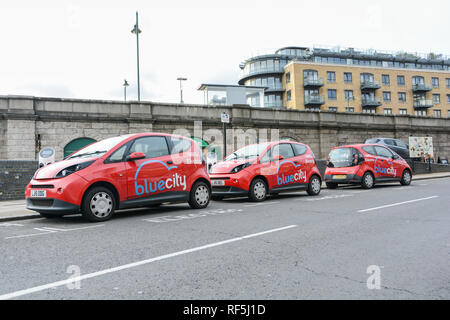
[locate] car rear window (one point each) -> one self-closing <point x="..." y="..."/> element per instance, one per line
<point x="341" y="157"/>
<point x="180" y="145"/>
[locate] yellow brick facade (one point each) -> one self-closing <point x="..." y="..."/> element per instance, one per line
<point x="297" y="91"/>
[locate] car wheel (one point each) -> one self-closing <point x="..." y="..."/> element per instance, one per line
<point x="314" y="186"/>
<point x="200" y="195"/>
<point x="331" y="185"/>
<point x="367" y="181"/>
<point x="258" y="190"/>
<point x="98" y="204"/>
<point x="406" y="178"/>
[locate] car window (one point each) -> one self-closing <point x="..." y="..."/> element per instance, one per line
<point x="299" y="149"/>
<point x="180" y="145"/>
<point x="154" y="146"/>
<point x="401" y="144"/>
<point x="383" y="152"/>
<point x="389" y="142"/>
<point x="117" y="155"/>
<point x="283" y="149"/>
<point x="372" y="140"/>
<point x="370" y="150"/>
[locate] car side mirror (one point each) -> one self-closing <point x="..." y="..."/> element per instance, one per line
<point x="135" y="156"/>
<point x="277" y="158"/>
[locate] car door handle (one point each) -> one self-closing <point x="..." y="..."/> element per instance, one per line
<point x="169" y="162"/>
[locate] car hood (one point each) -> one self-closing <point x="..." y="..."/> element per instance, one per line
<point x="227" y="166"/>
<point x="50" y="171"/>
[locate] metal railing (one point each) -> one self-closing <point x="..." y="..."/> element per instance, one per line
<point x="421" y="87"/>
<point x="314" y="100"/>
<point x="312" y="82"/>
<point x="371" y="102"/>
<point x="370" y="84"/>
<point x="423" y="103"/>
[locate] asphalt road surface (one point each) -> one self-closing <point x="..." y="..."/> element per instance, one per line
<point x="391" y="242"/>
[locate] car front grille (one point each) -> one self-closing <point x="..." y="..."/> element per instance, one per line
<point x="42" y="202"/>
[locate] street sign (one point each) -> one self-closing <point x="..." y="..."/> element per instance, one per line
<point x="225" y="118"/>
<point x="46" y="156"/>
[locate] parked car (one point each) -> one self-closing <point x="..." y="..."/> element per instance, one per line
<point x="257" y="170"/>
<point x="397" y="145"/>
<point x="134" y="170"/>
<point x="365" y="164"/>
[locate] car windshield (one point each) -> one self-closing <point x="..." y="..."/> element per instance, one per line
<point x="248" y="152"/>
<point x="97" y="149"/>
<point x="341" y="157"/>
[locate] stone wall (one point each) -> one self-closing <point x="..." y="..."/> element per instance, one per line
<point x="29" y="122"/>
<point x="14" y="176"/>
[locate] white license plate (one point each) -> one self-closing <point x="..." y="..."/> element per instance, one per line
<point x="218" y="182"/>
<point x="38" y="193"/>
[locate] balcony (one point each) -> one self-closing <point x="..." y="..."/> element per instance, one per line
<point x="312" y="82"/>
<point x="314" y="100"/>
<point x="419" y="104"/>
<point x="371" y="102"/>
<point x="421" y="87"/>
<point x="370" y="85"/>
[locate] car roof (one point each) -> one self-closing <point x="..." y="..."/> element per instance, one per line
<point x="358" y="145"/>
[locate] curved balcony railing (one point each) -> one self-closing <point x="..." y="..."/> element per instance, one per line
<point x="370" y="85"/>
<point x="314" y="100"/>
<point x="312" y="82"/>
<point x="262" y="71"/>
<point x="421" y="87"/>
<point x="371" y="102"/>
<point x="423" y="103"/>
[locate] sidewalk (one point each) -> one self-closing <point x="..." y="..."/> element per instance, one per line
<point x="15" y="209"/>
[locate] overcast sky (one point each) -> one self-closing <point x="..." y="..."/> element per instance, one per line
<point x="84" y="49"/>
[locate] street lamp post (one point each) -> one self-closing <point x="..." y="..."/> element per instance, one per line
<point x="125" y="85"/>
<point x="181" y="88"/>
<point x="136" y="31"/>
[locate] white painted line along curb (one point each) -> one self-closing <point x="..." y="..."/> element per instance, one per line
<point x="134" y="264"/>
<point x="397" y="204"/>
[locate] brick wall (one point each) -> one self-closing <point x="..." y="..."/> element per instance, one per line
<point x="14" y="176"/>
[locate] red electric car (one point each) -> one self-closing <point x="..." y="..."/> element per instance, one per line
<point x="259" y="169"/>
<point x="134" y="170"/>
<point x="365" y="164"/>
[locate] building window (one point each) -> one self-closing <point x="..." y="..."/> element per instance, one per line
<point x="403" y="111"/>
<point x="387" y="96"/>
<point x="331" y="76"/>
<point x="385" y="80"/>
<point x="369" y="110"/>
<point x="448" y="98"/>
<point x="437" y="113"/>
<point x="401" y="80"/>
<point x="288" y="95"/>
<point x="435" y="82"/>
<point x="350" y="109"/>
<point x="348" y="95"/>
<point x="332" y="109"/>
<point x="402" y="96"/>
<point x="348" y="77"/>
<point x="387" y="111"/>
<point x="422" y="113"/>
<point x="288" y="77"/>
<point x="332" y="94"/>
<point x="418" y="80"/>
<point x="447" y="83"/>
<point x="437" y="98"/>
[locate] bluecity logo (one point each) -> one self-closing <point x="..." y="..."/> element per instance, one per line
<point x="295" y="177"/>
<point x="383" y="170"/>
<point x="158" y="185"/>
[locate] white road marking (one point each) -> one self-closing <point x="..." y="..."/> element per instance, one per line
<point x="9" y="224"/>
<point x="324" y="197"/>
<point x="161" y="219"/>
<point x="261" y="203"/>
<point x="397" y="204"/>
<point x="47" y="230"/>
<point x="134" y="264"/>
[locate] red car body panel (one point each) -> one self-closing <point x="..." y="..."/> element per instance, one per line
<point x="137" y="181"/>
<point x="282" y="175"/>
<point x="382" y="168"/>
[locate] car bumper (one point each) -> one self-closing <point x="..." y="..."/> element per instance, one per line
<point x="350" y="178"/>
<point x="227" y="191"/>
<point x="51" y="206"/>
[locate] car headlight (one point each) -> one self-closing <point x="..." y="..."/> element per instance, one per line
<point x="76" y="167"/>
<point x="240" y="167"/>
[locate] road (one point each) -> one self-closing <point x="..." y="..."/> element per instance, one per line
<point x="290" y="247"/>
